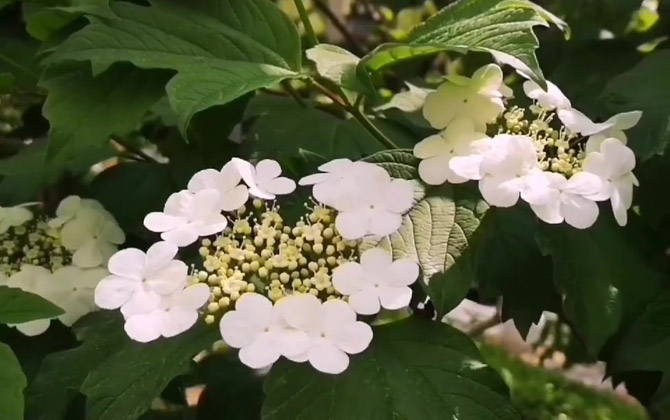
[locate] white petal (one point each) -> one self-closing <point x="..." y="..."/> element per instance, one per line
<point x="235" y="198"/>
<point x="595" y="163"/>
<point x="279" y="186"/>
<point x="300" y="311"/>
<point x="267" y="169"/>
<point x="248" y="173"/>
<point x="205" y="179"/>
<point x="325" y="357"/>
<point x="394" y="297"/>
<point x="335" y="314"/>
<point x="237" y="330"/>
<point x="176" y="321"/>
<point x="168" y="278"/>
<point x="550" y="212"/>
<point x="577" y="122"/>
<point x="352" y="338"/>
<point x="158" y="256"/>
<point x="348" y="278"/>
<point x="69" y="206"/>
<point x="88" y="256"/>
<point x="594" y="142"/>
<point x="353" y="224"/>
<point x="620" y="158"/>
<point x="467" y="167"/>
<point x="402" y="272"/>
<point x="141" y="302"/>
<point x="365" y="301"/>
<point x="488" y="78"/>
<point x="376" y="260"/>
<point x="112" y="232"/>
<point x="262" y="352"/>
<point x="78" y="232"/>
<point x="435" y="170"/>
<point x="211" y="225"/>
<point x="292" y="343"/>
<point x="537" y="188"/>
<point x="500" y="191"/>
<point x="229" y="177"/>
<point x="181" y="237"/>
<point x="583" y="183"/>
<point x="626" y="120"/>
<point x="315" y="178"/>
<point x="619" y="208"/>
<point x="579" y="212"/>
<point x="436" y="110"/>
<point x="143" y="328"/>
<point x="113" y="291"/>
<point x="192" y="297"/>
<point x="33" y="328"/>
<point x="257" y="308"/>
<point x="384" y="223"/>
<point x="127" y="263"/>
<point x="431" y="146"/>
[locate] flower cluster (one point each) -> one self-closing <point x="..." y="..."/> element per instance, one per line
<point x="275" y="288"/>
<point x="550" y="155"/>
<point x="58" y="258"/>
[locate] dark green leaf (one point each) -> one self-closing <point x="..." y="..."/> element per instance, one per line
<point x="502" y="27"/>
<point x="639" y="89"/>
<point x="12" y="383"/>
<point x="398" y="163"/>
<point x="602" y="276"/>
<point x="84" y="111"/>
<point x="221" y="49"/>
<point x="125" y="384"/>
<point x="414" y="370"/>
<point x="17" y="57"/>
<point x="17" y="306"/>
<point x="23" y="174"/>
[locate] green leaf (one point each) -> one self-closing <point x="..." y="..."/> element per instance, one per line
<point x="48" y="395"/>
<point x="414" y="370"/>
<point x="18" y="58"/>
<point x="398" y="163"/>
<point x="125" y="384"/>
<point x="602" y="276"/>
<point x="23" y="174"/>
<point x="501" y="27"/>
<point x="339" y="66"/>
<point x="638" y="89"/>
<point x="12" y="383"/>
<point x="221" y="49"/>
<point x="84" y="111"/>
<point x="436" y="234"/>
<point x="17" y="306"/>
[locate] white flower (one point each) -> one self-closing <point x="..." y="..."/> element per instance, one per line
<point x="568" y="200"/>
<point x="343" y="183"/>
<point x="258" y="330"/>
<point x="377" y="282"/>
<point x="226" y="182"/>
<point x="264" y="180"/>
<point x="509" y="169"/>
<point x="438" y="150"/>
<point x="13" y="216"/>
<point x="332" y="330"/>
<point x="176" y="313"/>
<point x="73" y="289"/>
<point x="88" y="230"/>
<point x="379" y="212"/>
<point x="187" y="216"/>
<point x="478" y="99"/>
<point x="36" y="280"/>
<point x="139" y="281"/>
<point x="614" y="164"/>
<point x="552" y="98"/>
<point x="599" y="132"/>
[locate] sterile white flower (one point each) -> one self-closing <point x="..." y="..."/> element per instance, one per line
<point x="377" y="282"/>
<point x="332" y="330"/>
<point x="510" y="169"/>
<point x="258" y="330"/>
<point x="478" y="99"/>
<point x="614" y="164"/>
<point x="187" y="216"/>
<point x="13" y="216"/>
<point x="226" y="182"/>
<point x="139" y="281"/>
<point x="568" y="200"/>
<point x="438" y="150"/>
<point x="598" y="132"/>
<point x="73" y="289"/>
<point x="343" y="183"/>
<point x="88" y="230"/>
<point x="552" y="98"/>
<point x="36" y="280"/>
<point x="379" y="212"/>
<point x="264" y="180"/>
<point x="176" y="313"/>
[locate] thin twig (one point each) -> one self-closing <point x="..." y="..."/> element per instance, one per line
<point x="295" y="95"/>
<point x="304" y="17"/>
<point x="134" y="150"/>
<point x="356" y="46"/>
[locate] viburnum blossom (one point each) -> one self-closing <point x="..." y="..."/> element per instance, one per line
<point x="36" y="280"/>
<point x="614" y="164"/>
<point x="176" y="313"/>
<point x="264" y="180"/>
<point x="332" y="330"/>
<point x="187" y="216"/>
<point x="599" y="132"/>
<point x="88" y="230"/>
<point x="232" y="195"/>
<point x="376" y="282"/>
<point x="438" y="150"/>
<point x="479" y="99"/>
<point x="139" y="281"/>
<point x="13" y="216"/>
<point x="73" y="289"/>
<point x="569" y="200"/>
<point x="550" y="99"/>
<point x="258" y="330"/>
